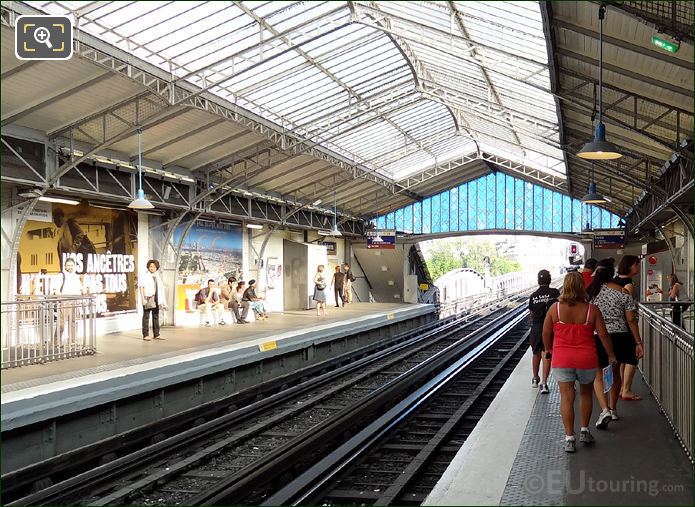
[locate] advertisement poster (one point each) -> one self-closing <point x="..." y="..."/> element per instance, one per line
<point x="209" y="251"/>
<point x="383" y="240"/>
<point x="97" y="244"/>
<point x="273" y="272"/>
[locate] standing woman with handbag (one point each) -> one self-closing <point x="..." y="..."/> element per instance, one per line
<point x="319" y="291"/>
<point x="152" y="292"/>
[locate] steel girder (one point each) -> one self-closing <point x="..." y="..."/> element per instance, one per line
<point x="674" y="190"/>
<point x="165" y="94"/>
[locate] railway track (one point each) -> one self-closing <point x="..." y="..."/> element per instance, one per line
<point x="232" y="448"/>
<point x="399" y="458"/>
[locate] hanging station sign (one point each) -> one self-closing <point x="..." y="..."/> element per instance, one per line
<point x="612" y="239"/>
<point x="383" y="240"/>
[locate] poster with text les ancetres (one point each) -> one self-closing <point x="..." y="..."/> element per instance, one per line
<point x="209" y="251"/>
<point x="81" y="250"/>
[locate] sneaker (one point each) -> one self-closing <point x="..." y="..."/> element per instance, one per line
<point x="544" y="389"/>
<point x="586" y="438"/>
<point x="570" y="445"/>
<point x="614" y="415"/>
<point x="241" y="322"/>
<point x="221" y="323"/>
<point x="535" y="382"/>
<point x="603" y="419"/>
<point x="207" y="324"/>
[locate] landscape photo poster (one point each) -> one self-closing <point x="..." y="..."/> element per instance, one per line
<point x="209" y="251"/>
<point x="101" y="244"/>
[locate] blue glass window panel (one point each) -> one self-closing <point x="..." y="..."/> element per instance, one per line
<point x="398" y="219"/>
<point x="528" y="206"/>
<point x="595" y="217"/>
<point x="463" y="207"/>
<point x="454" y="209"/>
<point x="537" y="223"/>
<point x="519" y="204"/>
<point x="446" y="211"/>
<point x="427" y="216"/>
<point x="500" y="201"/>
<point x="436" y="213"/>
<point x="508" y="202"/>
<point x="557" y="212"/>
<point x="472" y="205"/>
<point x="566" y="213"/>
<point x="482" y="205"/>
<point x="576" y="215"/>
<point x="547" y="208"/>
<point x="408" y="218"/>
<point x="381" y="222"/>
<point x="417" y="217"/>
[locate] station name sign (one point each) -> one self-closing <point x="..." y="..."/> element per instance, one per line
<point x="613" y="239"/>
<point x="383" y="240"/>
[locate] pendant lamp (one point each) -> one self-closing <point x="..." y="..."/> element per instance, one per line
<point x="335" y="231"/>
<point x="598" y="148"/>
<point x="593" y="197"/>
<point x="140" y="201"/>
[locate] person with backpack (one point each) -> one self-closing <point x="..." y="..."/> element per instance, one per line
<point x="347" y="286"/>
<point x="538" y="305"/>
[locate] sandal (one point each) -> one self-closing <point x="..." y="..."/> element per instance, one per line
<point x="634" y="397"/>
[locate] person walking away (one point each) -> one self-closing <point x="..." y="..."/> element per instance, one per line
<point x="619" y="313"/>
<point x="588" y="271"/>
<point x="674" y="294"/>
<point x="627" y="269"/>
<point x="320" y="291"/>
<point x="209" y="301"/>
<point x="349" y="278"/>
<point x="152" y="293"/>
<point x="538" y="305"/>
<point x="338" y="286"/>
<point x="255" y="302"/>
<point x="568" y="336"/>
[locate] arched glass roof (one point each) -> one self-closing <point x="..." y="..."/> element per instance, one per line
<point x="398" y="87"/>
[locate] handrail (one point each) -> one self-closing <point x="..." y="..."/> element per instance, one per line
<point x="36" y="329"/>
<point x="667" y="368"/>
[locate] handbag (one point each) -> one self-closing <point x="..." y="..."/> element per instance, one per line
<point x="150" y="304"/>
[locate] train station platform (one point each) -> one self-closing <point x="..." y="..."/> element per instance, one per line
<point x="126" y="365"/>
<point x="515" y="451"/>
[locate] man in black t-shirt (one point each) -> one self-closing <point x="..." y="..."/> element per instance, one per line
<point x="538" y="305"/>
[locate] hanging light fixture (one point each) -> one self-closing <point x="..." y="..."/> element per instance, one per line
<point x="140" y="201"/>
<point x="378" y="237"/>
<point x="593" y="197"/>
<point x="335" y="231"/>
<point x="598" y="148"/>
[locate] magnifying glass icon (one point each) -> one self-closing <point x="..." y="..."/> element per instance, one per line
<point x="43" y="36"/>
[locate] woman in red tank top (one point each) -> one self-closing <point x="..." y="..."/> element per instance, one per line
<point x="568" y="333"/>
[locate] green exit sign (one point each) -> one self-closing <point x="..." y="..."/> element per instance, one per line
<point x="668" y="45"/>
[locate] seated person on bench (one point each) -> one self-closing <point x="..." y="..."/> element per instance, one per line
<point x="255" y="302"/>
<point x="229" y="300"/>
<point x="209" y="301"/>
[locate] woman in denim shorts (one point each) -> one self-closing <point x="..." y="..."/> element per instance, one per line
<point x="568" y="335"/>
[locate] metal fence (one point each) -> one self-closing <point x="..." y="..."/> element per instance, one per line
<point x="667" y="368"/>
<point x="38" y="329"/>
